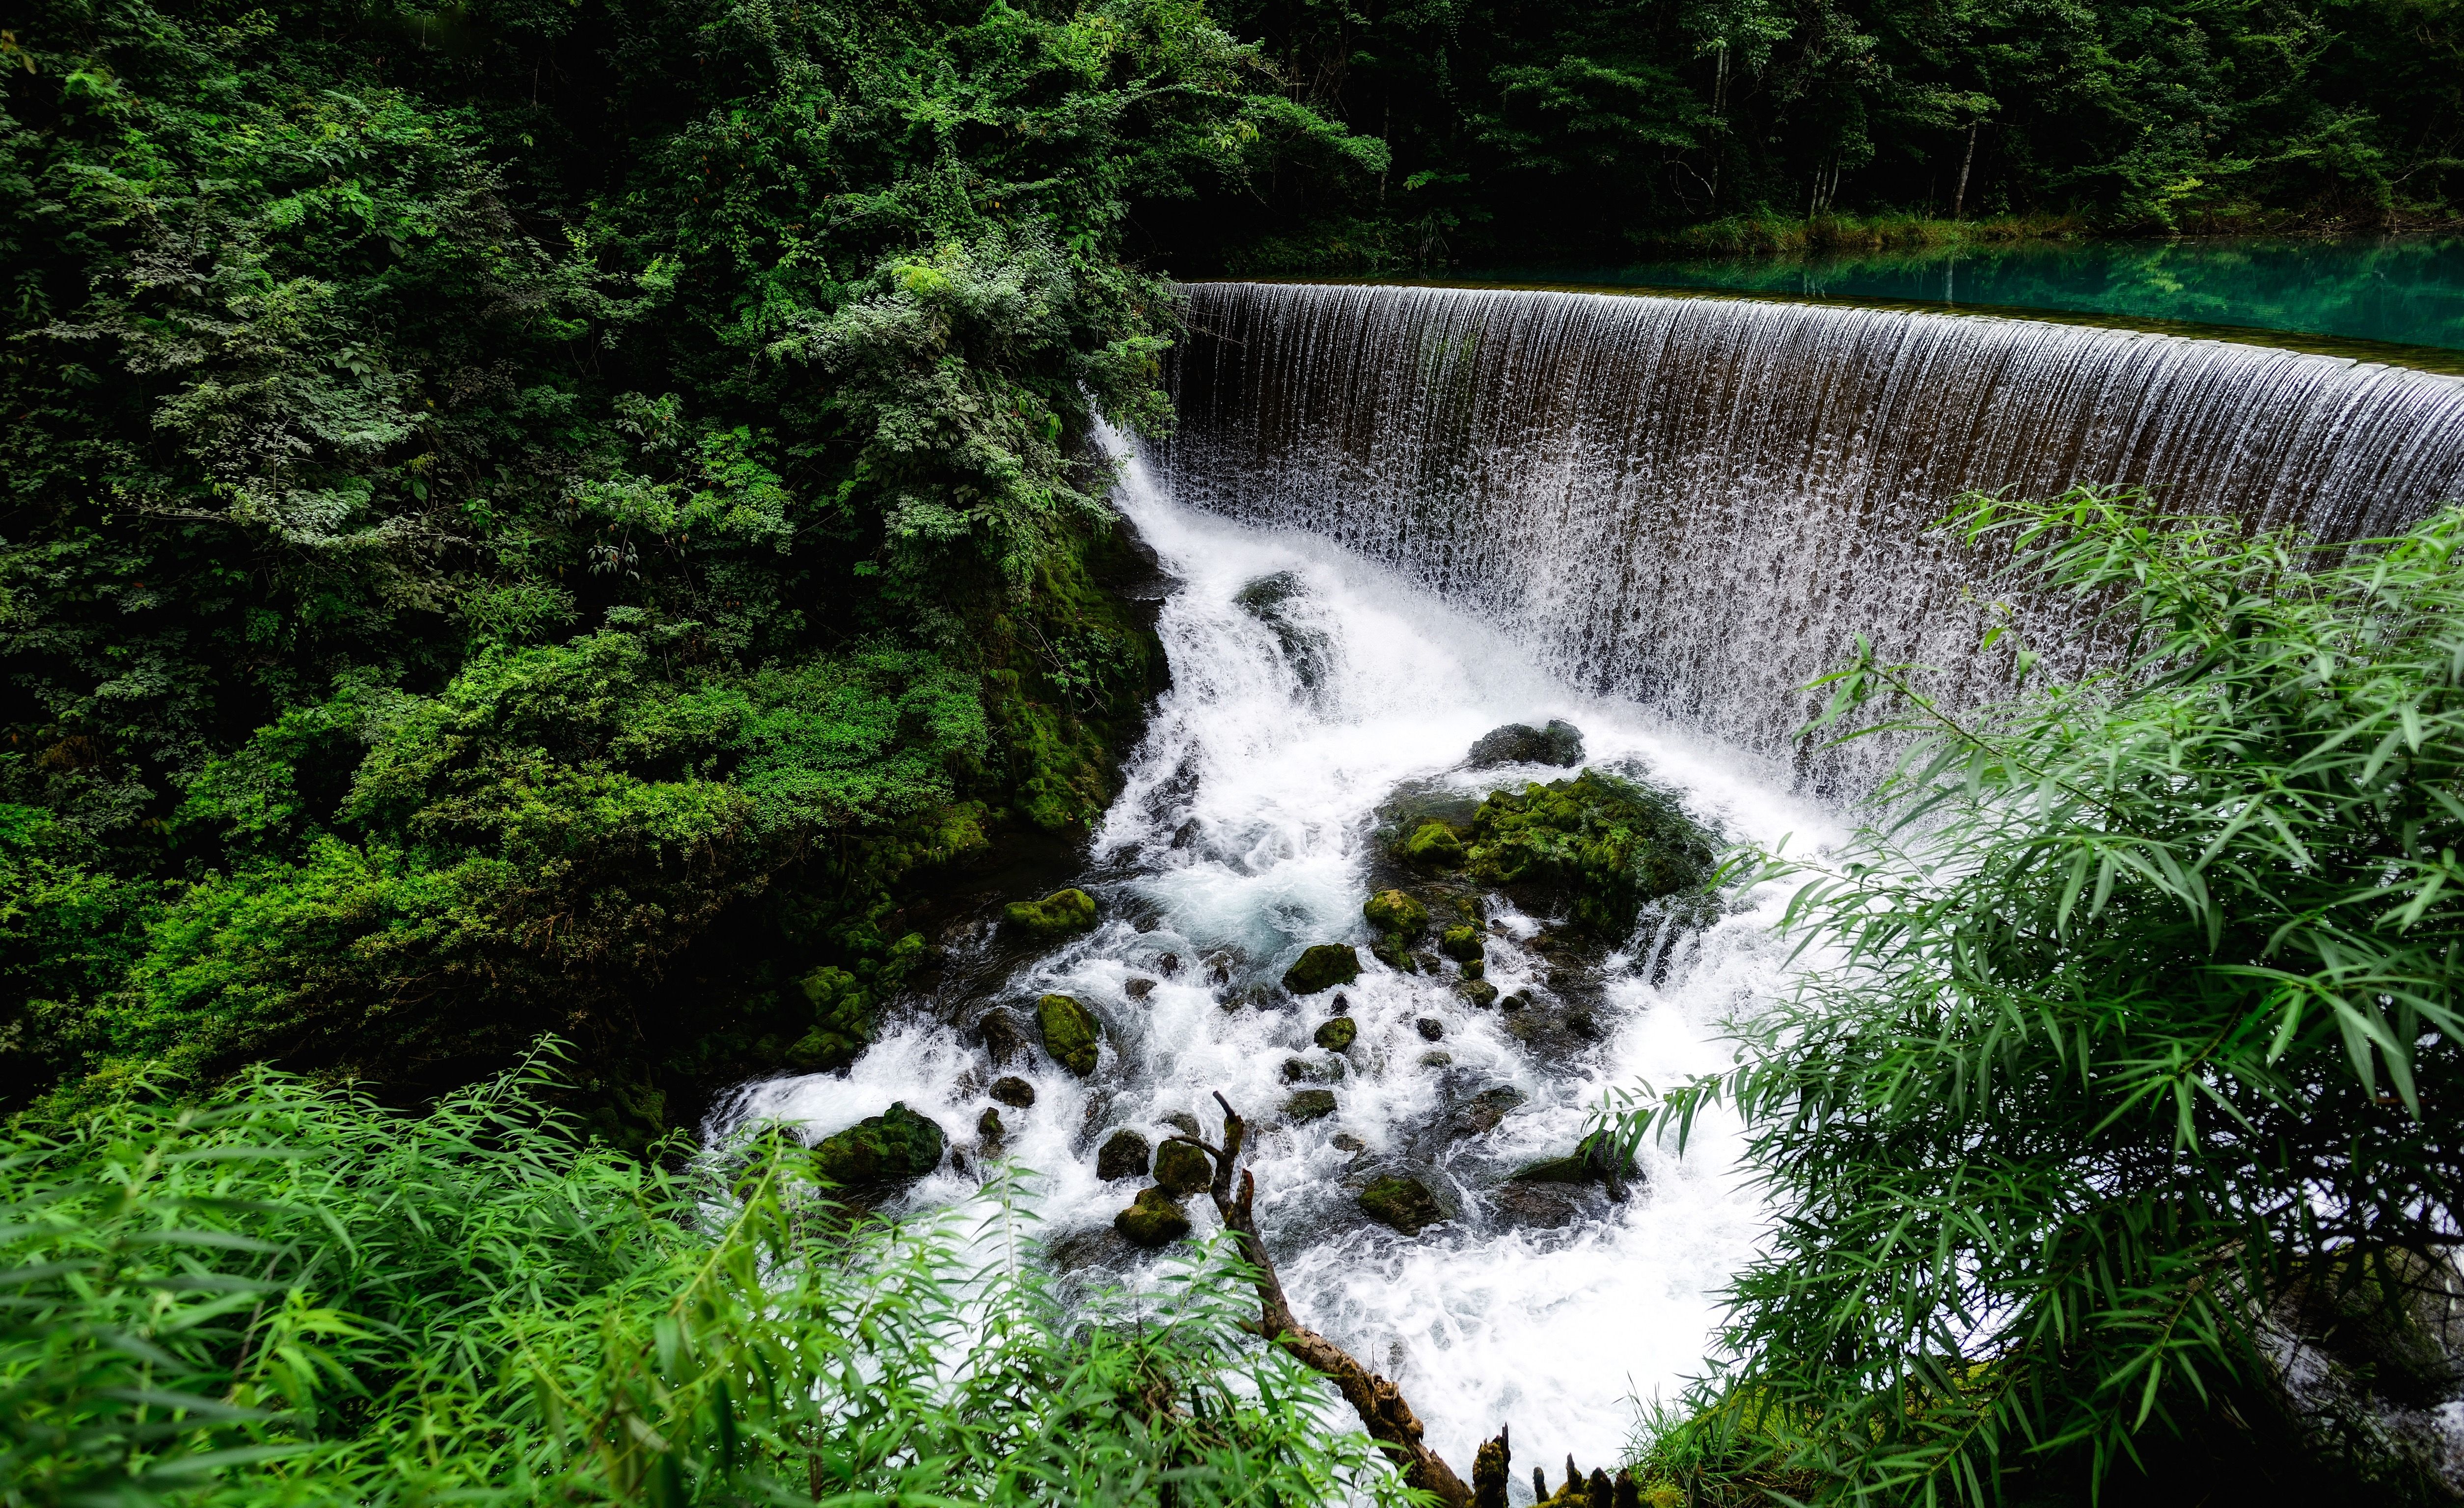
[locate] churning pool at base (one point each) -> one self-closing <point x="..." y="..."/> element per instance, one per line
<point x="1241" y="836"/>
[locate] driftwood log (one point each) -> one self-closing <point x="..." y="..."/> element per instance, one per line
<point x="1387" y="1417"/>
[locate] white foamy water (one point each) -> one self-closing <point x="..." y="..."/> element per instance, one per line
<point x="1243" y="833"/>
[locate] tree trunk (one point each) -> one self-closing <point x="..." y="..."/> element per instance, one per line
<point x="1959" y="196"/>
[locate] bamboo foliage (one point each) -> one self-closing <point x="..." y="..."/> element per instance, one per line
<point x="289" y="1295"/>
<point x="2130" y="1008"/>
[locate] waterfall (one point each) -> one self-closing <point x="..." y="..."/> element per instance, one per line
<point x="1695" y="502"/>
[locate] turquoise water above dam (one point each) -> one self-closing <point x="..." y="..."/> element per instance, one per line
<point x="2397" y="290"/>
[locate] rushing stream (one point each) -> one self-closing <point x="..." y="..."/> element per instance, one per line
<point x="1397" y="518"/>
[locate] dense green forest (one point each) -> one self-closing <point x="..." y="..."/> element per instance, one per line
<point x="533" y="521"/>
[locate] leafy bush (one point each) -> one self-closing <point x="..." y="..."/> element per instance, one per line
<point x="286" y="1295"/>
<point x="2133" y="1011"/>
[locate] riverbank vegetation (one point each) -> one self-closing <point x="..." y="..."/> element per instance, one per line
<point x="2116" y="1123"/>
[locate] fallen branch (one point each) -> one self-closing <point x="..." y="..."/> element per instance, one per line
<point x="1390" y="1420"/>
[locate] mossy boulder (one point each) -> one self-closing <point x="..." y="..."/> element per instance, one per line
<point x="1182" y="1169"/>
<point x="1462" y="943"/>
<point x="1338" y="1034"/>
<point x="1391" y="951"/>
<point x="1124" y="1155"/>
<point x="1434" y="845"/>
<point x="1322" y="968"/>
<point x="1013" y="1091"/>
<point x="1401" y="1204"/>
<point x="1070" y="1033"/>
<point x="1304" y="1105"/>
<point x="1604" y="846"/>
<point x="989" y="1130"/>
<point x="1560" y="743"/>
<point x="880" y="1151"/>
<point x="1152" y="1220"/>
<point x="1396" y="912"/>
<point x="1056" y="915"/>
<point x="1482" y="994"/>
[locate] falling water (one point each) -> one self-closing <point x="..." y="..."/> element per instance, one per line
<point x="1694" y="502"/>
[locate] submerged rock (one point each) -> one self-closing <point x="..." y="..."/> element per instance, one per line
<point x="1004" y="1040"/>
<point x="1308" y="1104"/>
<point x="1404" y="1204"/>
<point x="1069" y="1031"/>
<point x="1124" y="1155"/>
<point x="881" y="1151"/>
<point x="1322" y="968"/>
<point x="1182" y="1169"/>
<point x="1013" y="1091"/>
<point x="1390" y="950"/>
<point x="1430" y="1028"/>
<point x="1560" y="743"/>
<point x="1063" y="911"/>
<point x="1307" y="650"/>
<point x="1338" y="1034"/>
<point x="1152" y="1220"/>
<point x="1138" y="989"/>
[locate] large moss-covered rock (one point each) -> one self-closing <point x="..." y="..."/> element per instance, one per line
<point x="1462" y="943"/>
<point x="1396" y="912"/>
<point x="1560" y="743"/>
<point x="1402" y="1204"/>
<point x="1322" y="968"/>
<point x="1152" y="1220"/>
<point x="1434" y="844"/>
<point x="1601" y="844"/>
<point x="1124" y="1155"/>
<point x="1056" y="915"/>
<point x="1304" y="1105"/>
<point x="1182" y="1169"/>
<point x="880" y="1151"/>
<point x="1338" y="1034"/>
<point x="1070" y="1033"/>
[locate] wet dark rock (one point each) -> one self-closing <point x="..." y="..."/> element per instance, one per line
<point x="1013" y="1091"/>
<point x="881" y="1151"/>
<point x="1483" y="1111"/>
<point x="1397" y="913"/>
<point x="1520" y="999"/>
<point x="1124" y="1155"/>
<point x="1391" y="952"/>
<point x="1538" y="1206"/>
<point x="1185" y="833"/>
<point x="1308" y="1104"/>
<point x="1583" y="1024"/>
<point x="1102" y="1248"/>
<point x="1475" y="968"/>
<point x="1341" y="1004"/>
<point x="1056" y="915"/>
<point x="989" y="1130"/>
<point x="1479" y="992"/>
<point x="1401" y="1204"/>
<point x="1168" y="965"/>
<point x="1069" y="1031"/>
<point x="1138" y="989"/>
<point x="1559" y="743"/>
<point x="1437" y="1059"/>
<point x="1430" y="1028"/>
<point x="1182" y="1169"/>
<point x="1338" y="1034"/>
<point x="1322" y="968"/>
<point x="1219" y="966"/>
<point x="1462" y="943"/>
<point x="1180" y="1121"/>
<point x="1001" y="1037"/>
<point x="1152" y="1220"/>
<point x="1295" y="1070"/>
<point x="1346" y="1141"/>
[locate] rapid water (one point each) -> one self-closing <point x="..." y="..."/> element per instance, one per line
<point x="1692" y="503"/>
<point x="1240" y="837"/>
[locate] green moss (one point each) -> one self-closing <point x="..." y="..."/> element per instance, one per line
<point x="1304" y="1105"/>
<point x="1462" y="943"/>
<point x="1338" y="1034"/>
<point x="1435" y="844"/>
<point x="1070" y="1033"/>
<point x="1602" y="844"/>
<point x="1182" y="1169"/>
<point x="894" y="1148"/>
<point x="1404" y="1204"/>
<point x="1390" y="950"/>
<point x="1396" y="914"/>
<point x="1322" y="968"/>
<point x="1056" y="915"/>
<point x="1483" y="994"/>
<point x="1153" y="1219"/>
